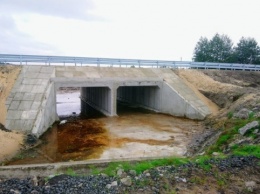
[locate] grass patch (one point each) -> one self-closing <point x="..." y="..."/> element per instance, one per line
<point x="247" y="150"/>
<point x="230" y="115"/>
<point x="94" y="170"/>
<point x="139" y="166"/>
<point x="231" y="129"/>
<point x="70" y="172"/>
<point x="202" y="162"/>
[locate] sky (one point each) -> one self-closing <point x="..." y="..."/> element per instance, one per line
<point x="134" y="29"/>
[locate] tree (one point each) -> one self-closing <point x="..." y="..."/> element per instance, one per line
<point x="221" y="48"/>
<point x="218" y="49"/>
<point x="202" y="50"/>
<point x="247" y="51"/>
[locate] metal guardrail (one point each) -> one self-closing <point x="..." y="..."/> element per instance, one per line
<point x="90" y="61"/>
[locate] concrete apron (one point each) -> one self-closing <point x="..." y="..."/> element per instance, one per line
<point x="45" y="170"/>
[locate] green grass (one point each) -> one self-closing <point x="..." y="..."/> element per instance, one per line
<point x="140" y="166"/>
<point x="145" y="165"/>
<point x="202" y="162"/>
<point x="230" y="115"/>
<point x="94" y="170"/>
<point x="247" y="150"/>
<point x="231" y="129"/>
<point x="70" y="172"/>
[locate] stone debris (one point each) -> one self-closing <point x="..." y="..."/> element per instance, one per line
<point x="155" y="183"/>
<point x="248" y="126"/>
<point x="242" y="114"/>
<point x="126" y="181"/>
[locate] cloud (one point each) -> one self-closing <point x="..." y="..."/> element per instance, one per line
<point x="16" y="42"/>
<point x="73" y="9"/>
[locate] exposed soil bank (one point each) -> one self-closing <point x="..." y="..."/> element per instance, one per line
<point x="10" y="143"/>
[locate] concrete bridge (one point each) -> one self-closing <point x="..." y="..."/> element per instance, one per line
<point x="31" y="105"/>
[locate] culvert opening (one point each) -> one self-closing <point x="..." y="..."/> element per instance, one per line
<point x="134" y="99"/>
<point x="68" y="101"/>
<point x="95" y="102"/>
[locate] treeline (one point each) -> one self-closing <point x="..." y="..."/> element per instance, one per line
<point x="220" y="49"/>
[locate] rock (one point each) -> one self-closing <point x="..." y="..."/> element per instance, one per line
<point x="132" y="172"/>
<point x="35" y="181"/>
<point x="119" y="172"/>
<point x="248" y="126"/>
<point x="256" y="108"/>
<point x="147" y="174"/>
<point x="35" y="192"/>
<point x="108" y="186"/>
<point x="31" y="139"/>
<point x="15" y="191"/>
<point x="242" y="114"/>
<point x="215" y="154"/>
<point x="63" y="122"/>
<point x="257" y="115"/>
<point x="240" y="142"/>
<point x="183" y="180"/>
<point x="256" y="131"/>
<point x="114" y="184"/>
<point x="250" y="185"/>
<point x="126" y="181"/>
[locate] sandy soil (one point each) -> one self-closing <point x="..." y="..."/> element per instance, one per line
<point x="10" y="142"/>
<point x="8" y="75"/>
<point x="203" y="82"/>
<point x="196" y="80"/>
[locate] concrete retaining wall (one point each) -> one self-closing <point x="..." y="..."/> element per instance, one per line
<point x="26" y="100"/>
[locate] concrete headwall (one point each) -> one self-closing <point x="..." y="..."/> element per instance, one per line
<point x="31" y="105"/>
<point x="27" y="104"/>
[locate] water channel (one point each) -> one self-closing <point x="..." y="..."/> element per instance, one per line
<point x="134" y="133"/>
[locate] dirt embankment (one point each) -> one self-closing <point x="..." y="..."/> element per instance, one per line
<point x="229" y="90"/>
<point x="10" y="142"/>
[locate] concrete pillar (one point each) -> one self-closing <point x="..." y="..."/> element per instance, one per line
<point x="113" y="100"/>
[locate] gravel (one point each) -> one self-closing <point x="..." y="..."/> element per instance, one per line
<point x="150" y="181"/>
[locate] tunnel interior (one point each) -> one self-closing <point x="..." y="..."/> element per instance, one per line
<point x="95" y="101"/>
<point x="89" y="102"/>
<point x="137" y="98"/>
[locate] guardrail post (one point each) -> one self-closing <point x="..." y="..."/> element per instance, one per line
<point x="20" y="60"/>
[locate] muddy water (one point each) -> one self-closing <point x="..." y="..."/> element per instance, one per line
<point x="134" y="133"/>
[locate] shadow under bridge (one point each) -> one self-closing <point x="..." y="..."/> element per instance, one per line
<point x="105" y="99"/>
